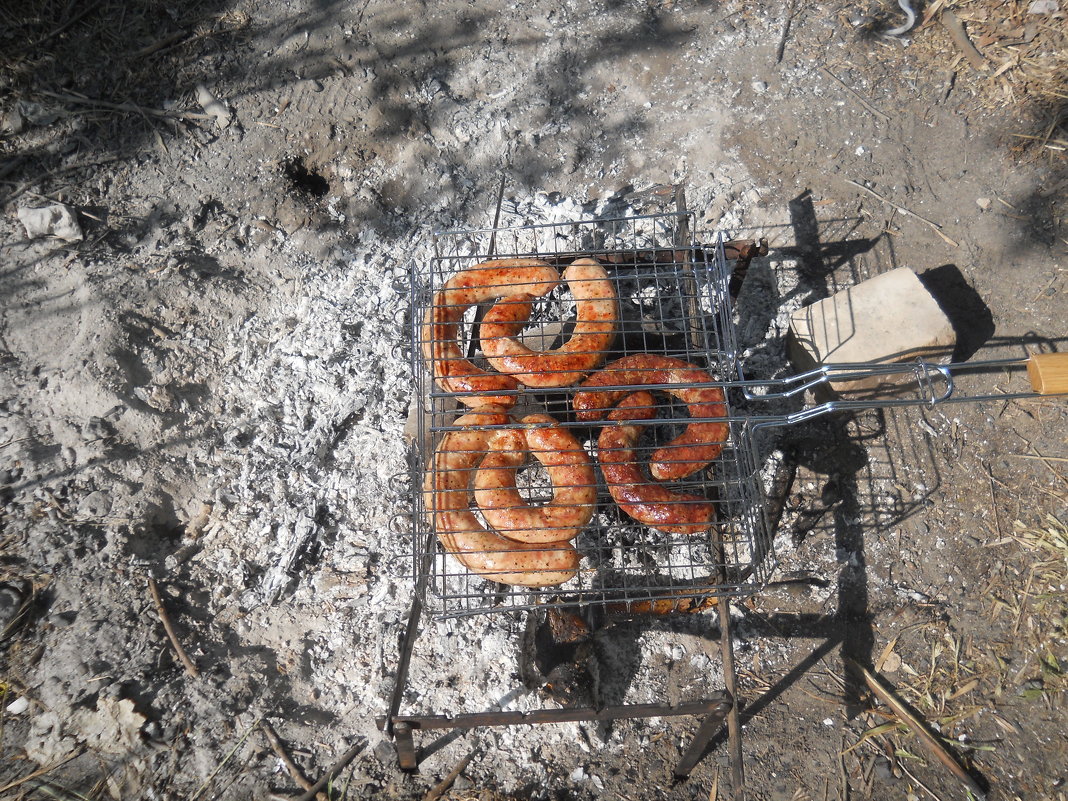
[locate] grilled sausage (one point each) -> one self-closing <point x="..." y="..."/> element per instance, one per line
<point x="487" y="281"/>
<point x="698" y="445"/>
<point x="645" y="501"/>
<point x="486" y="553"/>
<point x="598" y="311"/>
<point x="569" y="468"/>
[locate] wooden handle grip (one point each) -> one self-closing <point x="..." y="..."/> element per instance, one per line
<point x="1048" y="373"/>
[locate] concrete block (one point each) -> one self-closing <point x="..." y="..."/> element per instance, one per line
<point x="889" y="318"/>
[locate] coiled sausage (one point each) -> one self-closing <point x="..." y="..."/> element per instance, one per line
<point x="487" y="281"/>
<point x="645" y="501"/>
<point x="486" y="553"/>
<point x="598" y="312"/>
<point x="569" y="468"/>
<point x="699" y="444"/>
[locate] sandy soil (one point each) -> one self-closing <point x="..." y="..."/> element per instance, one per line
<point x="210" y="390"/>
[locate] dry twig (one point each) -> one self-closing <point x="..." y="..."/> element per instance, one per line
<point x="442" y="787"/>
<point x="291" y="767"/>
<point x="41" y="771"/>
<point x="781" y="49"/>
<point x="857" y="95"/>
<point x="933" y="225"/>
<point x="334" y="770"/>
<point x="918" y="728"/>
<point x="132" y="108"/>
<point x="23" y="187"/>
<point x="169" y="628"/>
<point x="951" y="22"/>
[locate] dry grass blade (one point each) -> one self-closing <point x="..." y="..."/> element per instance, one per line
<point x="41" y="771"/>
<point x="226" y="760"/>
<point x="882" y="728"/>
<point x="29" y="596"/>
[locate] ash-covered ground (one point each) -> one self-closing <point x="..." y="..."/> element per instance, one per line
<point x="211" y="388"/>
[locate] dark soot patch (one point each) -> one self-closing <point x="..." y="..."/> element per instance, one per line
<point x="303" y="180"/>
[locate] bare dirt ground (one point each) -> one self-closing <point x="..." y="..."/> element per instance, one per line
<point x="210" y="388"/>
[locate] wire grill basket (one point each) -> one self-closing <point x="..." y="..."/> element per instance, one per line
<point x="673" y="301"/>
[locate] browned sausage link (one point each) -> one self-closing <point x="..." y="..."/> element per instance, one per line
<point x="699" y="444"/>
<point x="646" y="501"/>
<point x="598" y="311"/>
<point x="487" y="553"/>
<point x="487" y="281"/>
<point x="569" y="468"/>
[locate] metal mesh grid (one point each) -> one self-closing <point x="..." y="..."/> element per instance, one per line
<point x="672" y="301"/>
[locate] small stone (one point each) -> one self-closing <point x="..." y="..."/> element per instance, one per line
<point x="212" y="106"/>
<point x="56" y="221"/>
<point x="12" y="122"/>
<point x="11" y="599"/>
<point x="760" y="87"/>
<point x="983" y="203"/>
<point x="384" y="752"/>
<point x="18" y="706"/>
<point x="1044" y="7"/>
<point x="95" y="505"/>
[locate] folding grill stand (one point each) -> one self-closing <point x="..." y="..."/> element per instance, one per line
<point x="714" y="709"/>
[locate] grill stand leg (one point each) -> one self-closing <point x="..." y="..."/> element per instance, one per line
<point x="714" y="722"/>
<point x="734" y="722"/>
<point x="402" y="738"/>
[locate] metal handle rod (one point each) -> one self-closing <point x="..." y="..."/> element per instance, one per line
<point x="925" y="374"/>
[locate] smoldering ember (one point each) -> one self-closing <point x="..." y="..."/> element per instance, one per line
<point x="431" y="401"/>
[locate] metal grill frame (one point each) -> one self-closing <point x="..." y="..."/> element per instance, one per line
<point x="655" y="259"/>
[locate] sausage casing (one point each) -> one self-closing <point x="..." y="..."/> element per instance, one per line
<point x="646" y="501"/>
<point x="487" y="281"/>
<point x="597" y="313"/>
<point x="447" y="497"/>
<point x="569" y="468"/>
<point x="699" y="443"/>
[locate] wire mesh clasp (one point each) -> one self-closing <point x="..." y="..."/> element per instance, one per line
<point x="926" y="375"/>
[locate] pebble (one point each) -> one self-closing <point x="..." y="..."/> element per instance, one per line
<point x="95" y="505"/>
<point x="10" y="603"/>
<point x="56" y="220"/>
<point x="384" y="752"/>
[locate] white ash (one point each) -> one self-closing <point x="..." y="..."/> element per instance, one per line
<point x="298" y="524"/>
